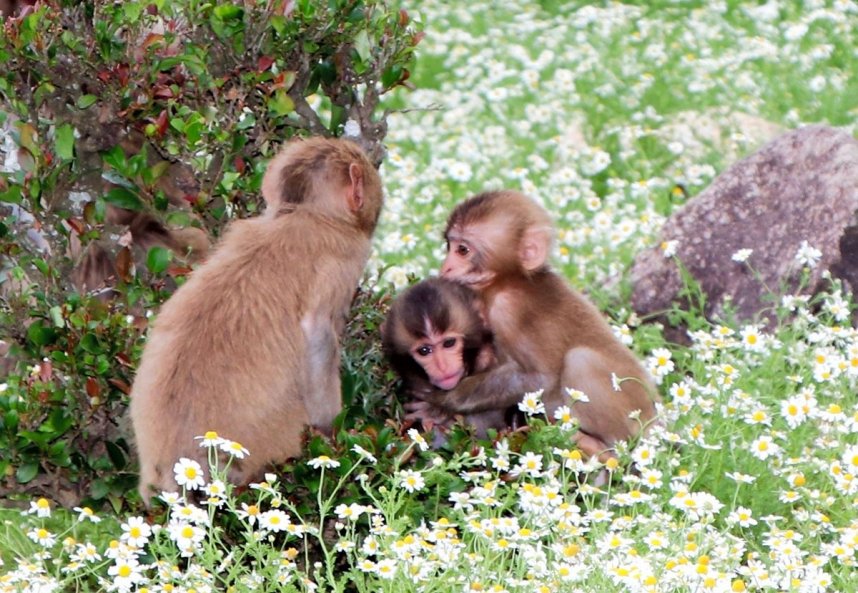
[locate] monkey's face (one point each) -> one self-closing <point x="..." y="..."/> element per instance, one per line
<point x="463" y="264"/>
<point x="440" y="355"/>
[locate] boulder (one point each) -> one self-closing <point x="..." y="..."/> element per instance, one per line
<point x="801" y="187"/>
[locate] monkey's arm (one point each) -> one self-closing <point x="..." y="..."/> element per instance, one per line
<point x="496" y="389"/>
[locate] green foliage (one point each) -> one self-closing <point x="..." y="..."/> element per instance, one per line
<point x="168" y="109"/>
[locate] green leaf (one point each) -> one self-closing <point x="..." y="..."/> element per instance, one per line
<point x="57" y="316"/>
<point x="116" y="454"/>
<point x="281" y="103"/>
<point x="60" y="454"/>
<point x="227" y="12"/>
<point x="86" y="101"/>
<point x="158" y="259"/>
<point x="119" y="196"/>
<point x="338" y="117"/>
<point x="11" y="195"/>
<point x="98" y="489"/>
<point x="115" y="157"/>
<point x="247" y="121"/>
<point x="64" y="142"/>
<point x="89" y="343"/>
<point x="11" y="420"/>
<point x="38" y="438"/>
<point x="27" y="472"/>
<point x="58" y="422"/>
<point x="391" y="76"/>
<point x="41" y="335"/>
<point x="362" y="45"/>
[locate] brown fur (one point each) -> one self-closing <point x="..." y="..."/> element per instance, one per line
<point x="96" y="270"/>
<point x="551" y="336"/>
<point x="249" y="346"/>
<point x="448" y="308"/>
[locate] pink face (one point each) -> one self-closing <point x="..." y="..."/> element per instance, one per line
<point x="457" y="265"/>
<point x="440" y="355"/>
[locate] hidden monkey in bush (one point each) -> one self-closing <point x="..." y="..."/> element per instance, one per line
<point x="249" y="345"/>
<point x="498" y="244"/>
<point x="434" y="336"/>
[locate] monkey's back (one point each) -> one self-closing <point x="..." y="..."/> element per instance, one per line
<point x="227" y="352"/>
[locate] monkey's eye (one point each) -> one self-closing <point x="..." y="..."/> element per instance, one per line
<point x="462" y="249"/>
<point x="449" y="343"/>
<point x="424" y="350"/>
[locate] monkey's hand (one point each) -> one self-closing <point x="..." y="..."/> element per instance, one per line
<point x="427" y="414"/>
<point x="496" y="389"/>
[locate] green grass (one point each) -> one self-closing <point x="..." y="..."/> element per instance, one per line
<point x="586" y="108"/>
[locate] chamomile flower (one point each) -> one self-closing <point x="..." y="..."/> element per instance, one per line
<point x="274" y="520"/>
<point x="135" y="532"/>
<point x="233" y="448"/>
<point x="764" y="447"/>
<point x="210" y="439"/>
<point x="410" y="480"/>
<point x="563" y="416"/>
<point x="743" y="517"/>
<point x="577" y="396"/>
<point x="86" y="514"/>
<point x="417" y="438"/>
<point x="189" y="474"/>
<point x="42" y="536"/>
<point x="40" y="508"/>
<point x="323" y="461"/>
<point x="531" y="404"/>
<point x="808" y="255"/>
<point x="742" y="255"/>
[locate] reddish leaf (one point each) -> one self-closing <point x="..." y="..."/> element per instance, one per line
<point x="151" y="39"/>
<point x="43" y="397"/>
<point x="104" y="75"/>
<point x="161" y="123"/>
<point x="76" y="224"/>
<point x="417" y="37"/>
<point x="403" y="17"/>
<point x="239" y="164"/>
<point x="123" y="359"/>
<point x="163" y="92"/>
<point x="177" y="271"/>
<point x="264" y="63"/>
<point x="46" y="369"/>
<point x="122" y="73"/>
<point x="120" y="385"/>
<point x="92" y="388"/>
<point x="124" y="261"/>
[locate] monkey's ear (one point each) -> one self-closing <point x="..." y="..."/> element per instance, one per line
<point x="354" y="193"/>
<point x="534" y="249"/>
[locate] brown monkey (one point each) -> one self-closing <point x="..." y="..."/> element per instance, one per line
<point x="434" y="336"/>
<point x="249" y="345"/>
<point x="96" y="271"/>
<point x="498" y="243"/>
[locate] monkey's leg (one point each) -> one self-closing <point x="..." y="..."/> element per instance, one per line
<point x="323" y="398"/>
<point x="604" y="419"/>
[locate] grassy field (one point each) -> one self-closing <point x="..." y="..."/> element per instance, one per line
<point x="602" y="113"/>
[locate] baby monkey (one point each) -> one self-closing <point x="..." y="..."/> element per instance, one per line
<point x="434" y="336"/>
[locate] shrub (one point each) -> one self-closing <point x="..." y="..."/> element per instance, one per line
<point x="166" y="108"/>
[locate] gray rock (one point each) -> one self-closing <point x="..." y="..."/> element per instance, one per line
<point x="803" y="186"/>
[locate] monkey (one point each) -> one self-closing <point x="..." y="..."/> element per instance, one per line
<point x="96" y="272"/>
<point x="434" y="336"/>
<point x="248" y="346"/>
<point x="552" y="337"/>
<point x="12" y="8"/>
